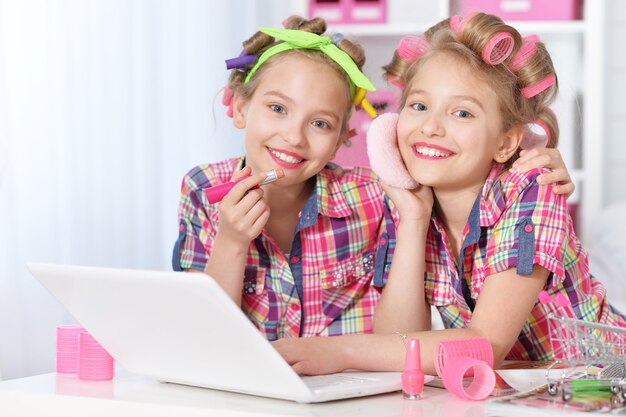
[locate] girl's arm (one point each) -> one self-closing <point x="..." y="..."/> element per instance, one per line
<point x="402" y="306"/>
<point x="242" y="215"/>
<point x="547" y="158"/>
<point x="505" y="301"/>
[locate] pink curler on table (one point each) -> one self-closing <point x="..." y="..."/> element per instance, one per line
<point x="94" y="362"/>
<point x="483" y="382"/>
<point x="477" y="348"/>
<point x="67" y="349"/>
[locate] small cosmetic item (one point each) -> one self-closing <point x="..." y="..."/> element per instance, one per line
<point x="412" y="376"/>
<point x="216" y="193"/>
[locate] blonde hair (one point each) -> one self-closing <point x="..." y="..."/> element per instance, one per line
<point x="468" y="45"/>
<point x="260" y="42"/>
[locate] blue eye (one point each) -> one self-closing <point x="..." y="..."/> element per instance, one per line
<point x="321" y="124"/>
<point x="419" y="107"/>
<point x="277" y="108"/>
<point x="463" y="114"/>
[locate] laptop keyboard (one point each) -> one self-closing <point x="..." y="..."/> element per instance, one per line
<point x="329" y="380"/>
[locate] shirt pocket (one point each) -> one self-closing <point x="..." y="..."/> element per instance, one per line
<point x="254" y="280"/>
<point x="348" y="271"/>
<point x="255" y="300"/>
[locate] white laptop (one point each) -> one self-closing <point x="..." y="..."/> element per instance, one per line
<point x="182" y="327"/>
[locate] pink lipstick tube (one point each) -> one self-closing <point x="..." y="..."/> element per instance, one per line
<point x="412" y="376"/>
<point x="216" y="193"/>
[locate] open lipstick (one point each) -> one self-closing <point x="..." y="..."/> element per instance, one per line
<point x="217" y="192"/>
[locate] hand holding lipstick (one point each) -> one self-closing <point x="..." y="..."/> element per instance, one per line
<point x="243" y="211"/>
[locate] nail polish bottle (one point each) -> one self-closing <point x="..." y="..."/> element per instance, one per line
<point x="412" y="376"/>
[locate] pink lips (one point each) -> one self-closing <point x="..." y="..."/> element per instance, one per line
<point x="285" y="164"/>
<point x="431" y="146"/>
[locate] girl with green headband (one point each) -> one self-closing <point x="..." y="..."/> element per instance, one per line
<point x="306" y="255"/>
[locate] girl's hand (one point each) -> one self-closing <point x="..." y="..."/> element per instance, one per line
<point x="318" y="355"/>
<point x="243" y="212"/>
<point x="547" y="158"/>
<point x="416" y="204"/>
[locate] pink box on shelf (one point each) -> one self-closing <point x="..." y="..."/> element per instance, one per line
<point x="349" y="11"/>
<point x="522" y="9"/>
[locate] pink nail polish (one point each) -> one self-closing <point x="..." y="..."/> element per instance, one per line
<point x="412" y="376"/>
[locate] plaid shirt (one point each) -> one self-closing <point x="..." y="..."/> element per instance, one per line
<point x="515" y="223"/>
<point x="340" y="258"/>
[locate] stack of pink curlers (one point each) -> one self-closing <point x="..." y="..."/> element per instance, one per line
<point x="79" y="353"/>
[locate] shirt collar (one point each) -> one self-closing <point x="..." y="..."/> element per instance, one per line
<point x="490" y="206"/>
<point x="331" y="201"/>
<point x="326" y="198"/>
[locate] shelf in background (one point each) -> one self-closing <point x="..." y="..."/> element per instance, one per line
<point x="539" y="27"/>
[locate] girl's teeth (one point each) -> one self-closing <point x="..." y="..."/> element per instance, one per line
<point x="430" y="152"/>
<point x="284" y="157"/>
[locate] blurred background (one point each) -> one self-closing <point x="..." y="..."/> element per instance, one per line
<point x="106" y="104"/>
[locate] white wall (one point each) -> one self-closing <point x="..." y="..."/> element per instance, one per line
<point x="615" y="150"/>
<point x="104" y="105"/>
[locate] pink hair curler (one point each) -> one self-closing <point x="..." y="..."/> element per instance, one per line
<point x="534" y="139"/>
<point x="539" y="86"/>
<point x="482" y="384"/>
<point x="456" y="23"/>
<point x="384" y="155"/>
<point x="527" y="50"/>
<point x="498" y="48"/>
<point x="67" y="349"/>
<point x="395" y="81"/>
<point x="477" y="348"/>
<point x="412" y="376"/>
<point x="94" y="362"/>
<point x="531" y="38"/>
<point x="227" y="100"/>
<point x="411" y="48"/>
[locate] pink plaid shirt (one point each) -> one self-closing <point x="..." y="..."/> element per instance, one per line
<point x="340" y="257"/>
<point x="515" y="223"/>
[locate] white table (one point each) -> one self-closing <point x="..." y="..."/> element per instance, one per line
<point x="130" y="395"/>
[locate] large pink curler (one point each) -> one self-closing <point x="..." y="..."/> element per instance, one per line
<point x="456" y="23"/>
<point x="498" y="48"/>
<point x="539" y="86"/>
<point x="384" y="154"/>
<point x="94" y="363"/>
<point x="67" y="349"/>
<point x="477" y="348"/>
<point x="412" y="48"/>
<point x="483" y="382"/>
<point x="527" y="50"/>
<point x="534" y="139"/>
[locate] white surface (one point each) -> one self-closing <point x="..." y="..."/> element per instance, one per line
<point x="182" y="327"/>
<point x="66" y="396"/>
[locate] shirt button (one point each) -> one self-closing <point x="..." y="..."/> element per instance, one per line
<point x="528" y="228"/>
<point x="383" y="242"/>
<point x="295" y="259"/>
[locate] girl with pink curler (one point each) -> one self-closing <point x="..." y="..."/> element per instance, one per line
<point x="476" y="239"/>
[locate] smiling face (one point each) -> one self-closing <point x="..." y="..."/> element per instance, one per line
<point x="449" y="130"/>
<point x="295" y="119"/>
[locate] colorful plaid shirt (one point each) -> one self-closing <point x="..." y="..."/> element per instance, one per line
<point x="515" y="223"/>
<point x="340" y="257"/>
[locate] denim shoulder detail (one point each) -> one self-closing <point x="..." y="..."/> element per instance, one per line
<point x="182" y="231"/>
<point x="525" y="231"/>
